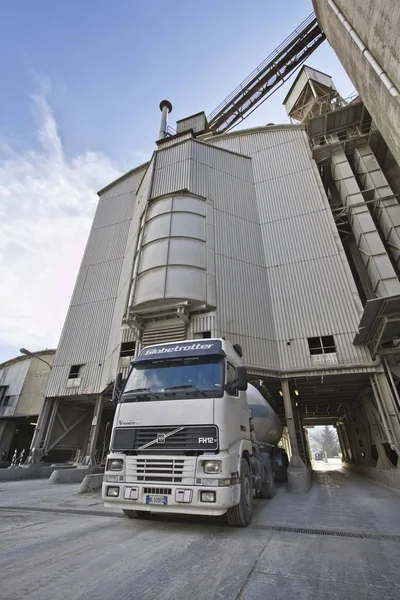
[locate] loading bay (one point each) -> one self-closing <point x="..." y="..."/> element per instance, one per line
<point x="341" y="540"/>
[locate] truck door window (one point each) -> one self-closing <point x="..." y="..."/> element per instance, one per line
<point x="231" y="377"/>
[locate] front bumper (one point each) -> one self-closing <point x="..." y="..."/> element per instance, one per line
<point x="181" y="499"/>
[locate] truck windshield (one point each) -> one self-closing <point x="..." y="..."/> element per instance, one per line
<point x="195" y="377"/>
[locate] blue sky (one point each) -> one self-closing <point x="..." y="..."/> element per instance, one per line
<point x="81" y="84"/>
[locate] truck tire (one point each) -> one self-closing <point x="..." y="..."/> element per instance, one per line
<point x="240" y="515"/>
<point x="268" y="489"/>
<point x="136" y="514"/>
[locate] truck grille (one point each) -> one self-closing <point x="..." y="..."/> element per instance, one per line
<point x="172" y="437"/>
<point x="160" y="470"/>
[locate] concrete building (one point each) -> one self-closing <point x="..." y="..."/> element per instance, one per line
<point x="23" y="382"/>
<point x="365" y="36"/>
<point x="281" y="238"/>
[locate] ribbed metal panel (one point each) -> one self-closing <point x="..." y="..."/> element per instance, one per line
<point x="307" y="290"/>
<point x="161" y="332"/>
<point x="32" y="396"/>
<point x="166" y="142"/>
<point x="317" y="244"/>
<point x="289" y="196"/>
<point x="92" y="330"/>
<point x="238" y="238"/>
<point x="244" y="308"/>
<point x="13" y="376"/>
<point x="174" y="154"/>
<point x="201" y="323"/>
<point x="196" y="122"/>
<point x="170" y="179"/>
<point x="107" y="243"/>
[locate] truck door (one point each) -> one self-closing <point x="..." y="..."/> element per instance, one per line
<point x="239" y="410"/>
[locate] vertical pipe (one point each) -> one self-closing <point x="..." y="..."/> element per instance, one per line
<point x="165" y="107"/>
<point x="287" y="401"/>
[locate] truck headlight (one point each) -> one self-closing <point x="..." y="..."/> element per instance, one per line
<point x="115" y="464"/>
<point x="113" y="491"/>
<point x="212" y="466"/>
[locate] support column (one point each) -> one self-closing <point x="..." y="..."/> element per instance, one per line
<point x="377" y="263"/>
<point x="383" y="462"/>
<point x="342" y="444"/>
<point x="350" y="451"/>
<point x="299" y="477"/>
<point x="36" y="450"/>
<point x="90" y="458"/>
<point x="385" y="393"/>
<point x="386" y="208"/>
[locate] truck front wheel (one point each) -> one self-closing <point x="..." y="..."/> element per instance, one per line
<point x="240" y="515"/>
<point x="136" y="514"/>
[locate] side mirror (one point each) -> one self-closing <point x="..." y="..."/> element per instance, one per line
<point x="241" y="377"/>
<point x="117" y="388"/>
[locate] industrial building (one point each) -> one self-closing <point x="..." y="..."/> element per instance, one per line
<point x="23" y="383"/>
<point x="283" y="238"/>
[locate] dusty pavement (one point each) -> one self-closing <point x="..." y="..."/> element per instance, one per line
<point x="341" y="541"/>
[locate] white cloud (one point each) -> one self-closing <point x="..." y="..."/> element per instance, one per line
<point x="47" y="202"/>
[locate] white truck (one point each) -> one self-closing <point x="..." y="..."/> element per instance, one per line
<point x="191" y="435"/>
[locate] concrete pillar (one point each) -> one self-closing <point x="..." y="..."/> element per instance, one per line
<point x="299" y="477"/>
<point x="383" y="461"/>
<point x="37" y="445"/>
<point x="343" y="448"/>
<point x="383" y="277"/>
<point x="346" y="442"/>
<point x="389" y="404"/>
<point x="90" y="458"/>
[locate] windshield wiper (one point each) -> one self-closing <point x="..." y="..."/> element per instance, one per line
<point x="141" y="391"/>
<point x="185" y="387"/>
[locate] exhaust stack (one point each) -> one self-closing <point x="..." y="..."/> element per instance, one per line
<point x="165" y="107"/>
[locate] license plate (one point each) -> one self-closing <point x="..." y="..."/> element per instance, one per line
<point x="163" y="500"/>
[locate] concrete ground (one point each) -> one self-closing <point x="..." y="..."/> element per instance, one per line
<point x="341" y="541"/>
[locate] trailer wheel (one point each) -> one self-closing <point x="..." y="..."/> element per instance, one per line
<point x="268" y="489"/>
<point x="136" y="514"/>
<point x="240" y="515"/>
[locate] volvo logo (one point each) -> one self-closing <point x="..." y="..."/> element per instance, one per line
<point x="160" y="438"/>
<point x="132" y="422"/>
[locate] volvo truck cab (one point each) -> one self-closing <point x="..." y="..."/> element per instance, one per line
<point x="185" y="437"/>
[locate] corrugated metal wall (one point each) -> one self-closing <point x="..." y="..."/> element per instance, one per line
<point x="305" y="277"/>
<point x="13" y="376"/>
<point x="33" y="391"/>
<point x="99" y="297"/>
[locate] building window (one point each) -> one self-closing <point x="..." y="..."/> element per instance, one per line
<point x="4" y="400"/>
<point x="323" y="350"/>
<point x="127" y="349"/>
<point x="202" y="335"/>
<point x="3" y="397"/>
<point x="74" y="372"/>
<point x="321" y="345"/>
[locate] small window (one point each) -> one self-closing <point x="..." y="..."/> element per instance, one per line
<point x="127" y="349"/>
<point x="322" y="345"/>
<point x="6" y="401"/>
<point x="3" y="389"/>
<point x="74" y="371"/>
<point x="202" y="335"/>
<point x="231" y="376"/>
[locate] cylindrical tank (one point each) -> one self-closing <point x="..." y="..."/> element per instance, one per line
<point x="267" y="425"/>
